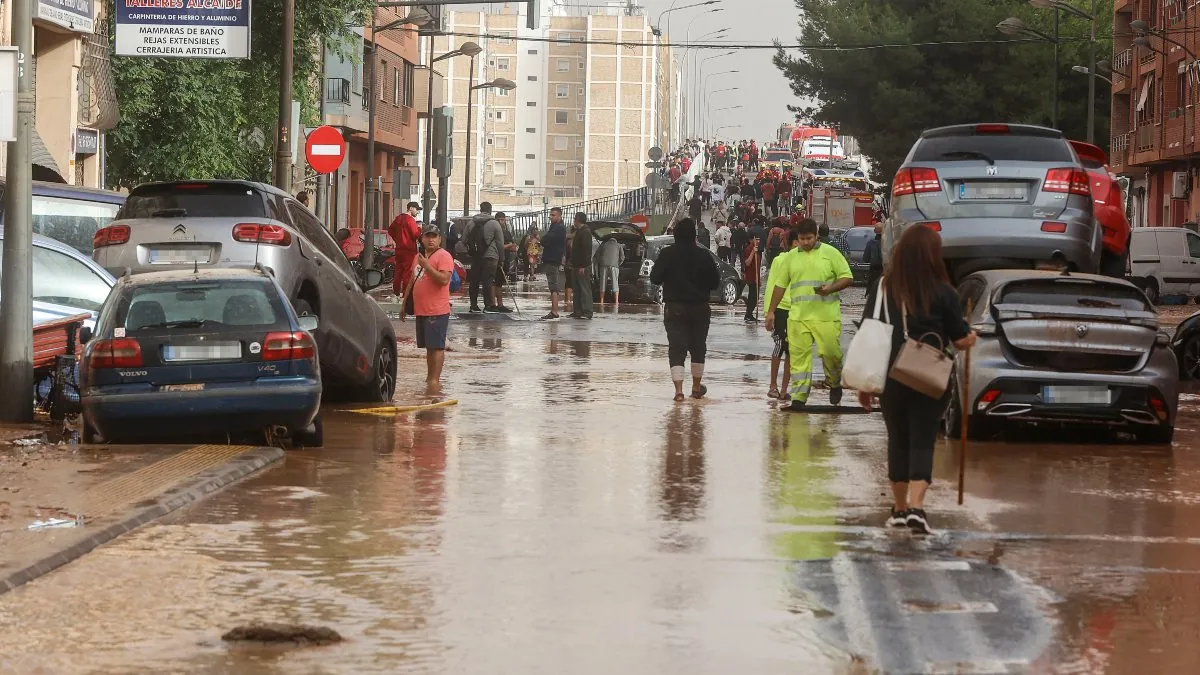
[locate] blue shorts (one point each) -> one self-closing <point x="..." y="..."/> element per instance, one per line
<point x="432" y="330"/>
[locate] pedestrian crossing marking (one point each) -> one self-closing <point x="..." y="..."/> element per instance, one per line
<point x="930" y="566"/>
<point x="927" y="607"/>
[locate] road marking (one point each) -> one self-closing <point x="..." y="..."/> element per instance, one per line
<point x="930" y="566"/>
<point x="388" y="411"/>
<point x="929" y="607"/>
<point x="856" y="618"/>
<point x="977" y="667"/>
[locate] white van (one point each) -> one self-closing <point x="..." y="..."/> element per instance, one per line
<point x="1165" y="261"/>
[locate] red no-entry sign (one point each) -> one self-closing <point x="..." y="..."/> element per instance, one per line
<point x="325" y="149"/>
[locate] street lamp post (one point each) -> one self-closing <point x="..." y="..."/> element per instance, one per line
<point x="466" y="49"/>
<point x="687" y="83"/>
<point x="499" y="83"/>
<point x="1085" y="71"/>
<point x="658" y="33"/>
<point x="698" y="68"/>
<point x="711" y="111"/>
<point x="700" y="72"/>
<point x="417" y="17"/>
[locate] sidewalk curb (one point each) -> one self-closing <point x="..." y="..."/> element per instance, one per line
<point x="198" y="488"/>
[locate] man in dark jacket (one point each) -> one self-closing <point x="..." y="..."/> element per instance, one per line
<point x="873" y="257"/>
<point x="581" y="268"/>
<point x="554" y="252"/>
<point x="688" y="275"/>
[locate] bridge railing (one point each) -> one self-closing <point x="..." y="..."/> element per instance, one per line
<point x="614" y="207"/>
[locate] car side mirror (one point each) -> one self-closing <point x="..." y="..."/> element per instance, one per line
<point x="371" y="279"/>
<point x="308" y="323"/>
<point x="85" y="334"/>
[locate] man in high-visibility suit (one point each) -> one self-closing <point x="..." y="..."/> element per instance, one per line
<point x="813" y="278"/>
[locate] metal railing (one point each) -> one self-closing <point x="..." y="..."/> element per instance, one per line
<point x="366" y="97"/>
<point x="1145" y="137"/>
<point x="1119" y="149"/>
<point x="337" y="90"/>
<point x="616" y="207"/>
<point x="1122" y="62"/>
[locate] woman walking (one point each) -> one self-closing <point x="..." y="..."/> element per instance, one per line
<point x="919" y="296"/>
<point x="688" y="274"/>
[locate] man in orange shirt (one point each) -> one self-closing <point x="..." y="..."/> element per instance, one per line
<point x="405" y="231"/>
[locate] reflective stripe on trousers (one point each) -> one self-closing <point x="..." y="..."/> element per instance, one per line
<point x="802" y="336"/>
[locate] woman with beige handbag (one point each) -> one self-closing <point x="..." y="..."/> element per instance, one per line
<point x="921" y="301"/>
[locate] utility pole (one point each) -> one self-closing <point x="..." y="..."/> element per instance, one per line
<point x="427" y="190"/>
<point x="367" y="258"/>
<point x="283" y="140"/>
<point x="16" y="309"/>
<point x="322" y="179"/>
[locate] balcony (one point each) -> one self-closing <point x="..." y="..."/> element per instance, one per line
<point x="366" y="97"/>
<point x="337" y="90"/>
<point x="1122" y="63"/>
<point x="1119" y="150"/>
<point x="1146" y="137"/>
<point x="406" y="115"/>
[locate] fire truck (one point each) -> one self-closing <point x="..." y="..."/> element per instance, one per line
<point x="839" y="199"/>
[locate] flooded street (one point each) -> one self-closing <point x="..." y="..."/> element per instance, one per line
<point x="567" y="517"/>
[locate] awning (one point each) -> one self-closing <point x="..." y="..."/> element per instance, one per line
<point x="1145" y="92"/>
<point x="43" y="160"/>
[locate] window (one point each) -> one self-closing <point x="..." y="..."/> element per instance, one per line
<point x="203" y="200"/>
<point x="529" y="183"/>
<point x="530" y="156"/>
<point x="1193" y="242"/>
<point x="530" y="130"/>
<point x="502" y="142"/>
<point x="1011" y="146"/>
<point x="380" y="80"/>
<point x="578" y="168"/>
<point x="533" y="52"/>
<point x="579" y="143"/>
<point x="503" y="37"/>
<point x="500" y="168"/>
<point x="581" y="91"/>
<point x="410" y="73"/>
<point x="501" y="92"/>
<point x="533" y="78"/>
<point x="560" y="169"/>
<point x="71" y="221"/>
<point x="501" y="115"/>
<point x="1181" y="87"/>
<point x="562" y="39"/>
<point x="489" y="141"/>
<point x="560" y="116"/>
<point x="579" y="117"/>
<point x="501" y="64"/>
<point x="581" y="64"/>
<point x="531" y="104"/>
<point x="562" y="90"/>
<point x="560" y="142"/>
<point x="60" y="279"/>
<point x="560" y="193"/>
<point x="228" y="302"/>
<point x="314" y="231"/>
<point x="564" y="66"/>
<point x="395" y="86"/>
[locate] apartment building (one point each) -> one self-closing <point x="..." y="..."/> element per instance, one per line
<point x="75" y="98"/>
<point x="587" y="108"/>
<point x="1154" y="112"/>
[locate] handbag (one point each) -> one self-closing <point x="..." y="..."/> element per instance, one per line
<point x="409" y="307"/>
<point x="866" y="368"/>
<point x="922" y="367"/>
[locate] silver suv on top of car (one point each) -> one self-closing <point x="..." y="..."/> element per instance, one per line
<point x="1002" y="196"/>
<point x="230" y="223"/>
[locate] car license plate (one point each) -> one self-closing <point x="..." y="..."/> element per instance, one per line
<point x="183" y="387"/>
<point x="1065" y="395"/>
<point x="169" y="256"/>
<point x="216" y="351"/>
<point x="1012" y="191"/>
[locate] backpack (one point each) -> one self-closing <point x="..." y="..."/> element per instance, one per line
<point x="476" y="242"/>
<point x="455" y="281"/>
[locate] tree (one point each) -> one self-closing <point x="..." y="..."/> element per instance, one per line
<point x="885" y="96"/>
<point x="197" y="118"/>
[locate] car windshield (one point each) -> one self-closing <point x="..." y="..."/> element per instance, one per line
<point x="1067" y="292"/>
<point x="857" y="238"/>
<point x="778" y="155"/>
<point x="71" y="221"/>
<point x="194" y="200"/>
<point x="1020" y="147"/>
<point x="200" y="303"/>
<point x="603" y="230"/>
<point x="60" y="279"/>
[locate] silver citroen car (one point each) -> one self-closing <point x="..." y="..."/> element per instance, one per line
<point x="1058" y="348"/>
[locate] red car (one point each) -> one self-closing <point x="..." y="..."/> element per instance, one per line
<point x="353" y="245"/>
<point x="1108" y="206"/>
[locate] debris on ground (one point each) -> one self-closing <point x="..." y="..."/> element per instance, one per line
<point x="278" y="632"/>
<point x="77" y="521"/>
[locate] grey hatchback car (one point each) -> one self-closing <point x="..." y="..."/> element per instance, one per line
<point x="1003" y="196"/>
<point x="1065" y="349"/>
<point x="230" y="223"/>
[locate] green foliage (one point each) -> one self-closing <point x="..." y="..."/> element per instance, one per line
<point x="885" y="97"/>
<point x="197" y="118"/>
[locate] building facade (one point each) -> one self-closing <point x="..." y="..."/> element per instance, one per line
<point x="1154" y="112"/>
<point x="74" y="94"/>
<point x="589" y="104"/>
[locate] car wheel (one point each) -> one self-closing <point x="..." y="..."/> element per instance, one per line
<point x="1159" y="435"/>
<point x="382" y="386"/>
<point x="1112" y="265"/>
<point x="1151" y="288"/>
<point x="307" y="438"/>
<point x="729" y="292"/>
<point x="1189" y="358"/>
<point x="88" y="434"/>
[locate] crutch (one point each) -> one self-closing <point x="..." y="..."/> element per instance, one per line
<point x="511" y="296"/>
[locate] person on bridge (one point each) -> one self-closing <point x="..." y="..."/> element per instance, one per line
<point x="813" y="277"/>
<point x="405" y="231"/>
<point x="918" y="290"/>
<point x="688" y="275"/>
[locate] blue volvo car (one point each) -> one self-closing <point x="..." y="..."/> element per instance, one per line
<point x="211" y="353"/>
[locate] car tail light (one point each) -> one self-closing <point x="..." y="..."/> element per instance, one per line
<point x="991" y="128"/>
<point x="916" y="180"/>
<point x="117" y="353"/>
<point x="288" y="347"/>
<point x="933" y="225"/>
<point x="1074" y="181"/>
<point x="111" y="236"/>
<point x="1160" y="406"/>
<point x="987" y="399"/>
<point x="1051" y="226"/>
<point x="255" y="233"/>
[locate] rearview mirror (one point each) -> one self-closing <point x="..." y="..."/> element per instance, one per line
<point x="85" y="334"/>
<point x="308" y="323"/>
<point x="371" y="278"/>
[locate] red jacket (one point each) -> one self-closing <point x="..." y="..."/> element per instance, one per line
<point x="407" y="234"/>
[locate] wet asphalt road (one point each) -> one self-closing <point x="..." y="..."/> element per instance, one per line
<point x="568" y="517"/>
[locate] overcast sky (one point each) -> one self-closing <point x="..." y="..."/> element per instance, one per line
<point x="764" y="91"/>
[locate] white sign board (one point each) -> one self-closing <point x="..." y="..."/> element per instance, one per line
<point x="8" y="93"/>
<point x="190" y="29"/>
<point x="73" y="14"/>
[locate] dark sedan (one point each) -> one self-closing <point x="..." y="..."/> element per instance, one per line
<point x="731" y="289"/>
<point x="854" y="244"/>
